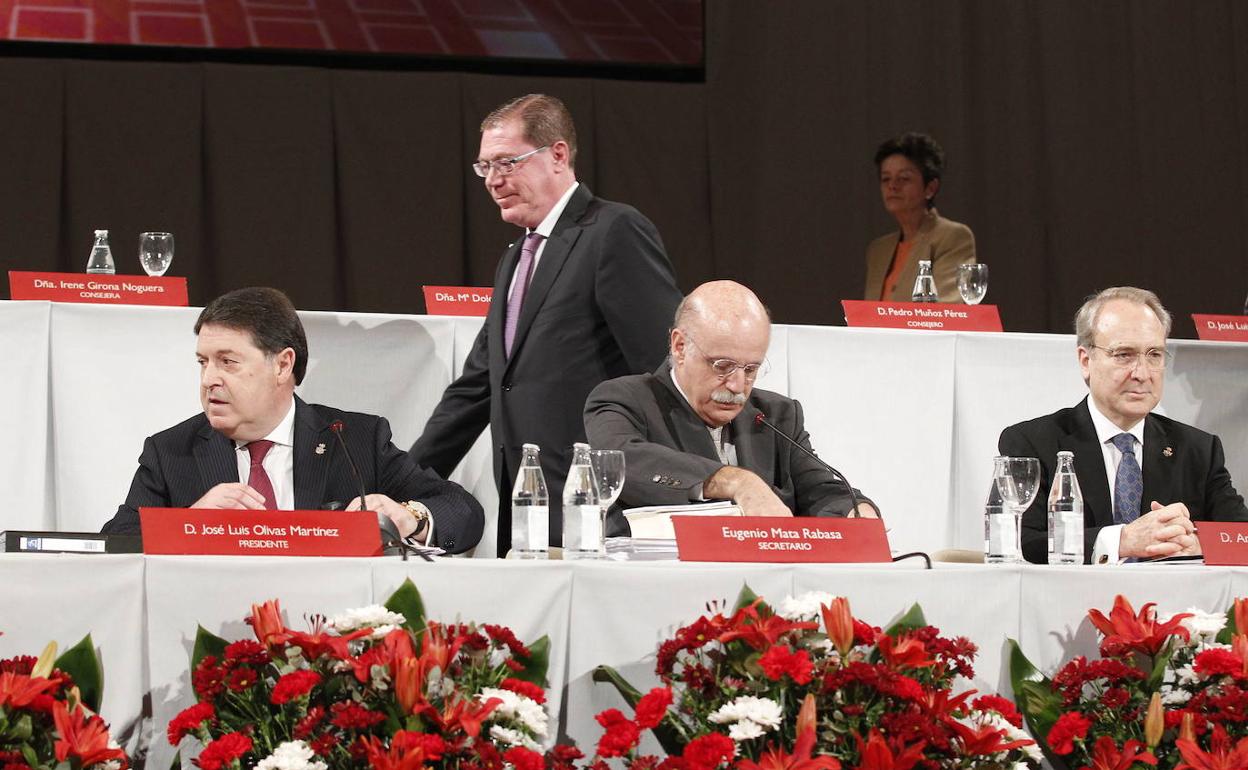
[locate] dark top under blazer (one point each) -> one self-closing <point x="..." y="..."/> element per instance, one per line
<point x="599" y="305"/>
<point x="668" y="450"/>
<point x="179" y="465"/>
<point x="1181" y="464"/>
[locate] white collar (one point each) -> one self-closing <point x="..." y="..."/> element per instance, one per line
<point x="1105" y="427"/>
<point x="283" y="434"/>
<point x="547" y="225"/>
<point x="672" y="373"/>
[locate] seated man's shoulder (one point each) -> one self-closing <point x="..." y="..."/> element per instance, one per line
<point x="629" y="386"/>
<point x="1062" y="418"/>
<point x="329" y="414"/>
<point x="182" y="433"/>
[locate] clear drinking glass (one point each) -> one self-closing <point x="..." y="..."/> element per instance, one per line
<point x="608" y="465"/>
<point x="155" y="252"/>
<point x="973" y="282"/>
<point x="1017" y="481"/>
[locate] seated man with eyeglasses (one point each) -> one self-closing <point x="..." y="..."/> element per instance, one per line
<point x="1145" y="478"/>
<point x="690" y="431"/>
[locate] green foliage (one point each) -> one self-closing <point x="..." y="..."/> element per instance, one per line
<point x="407" y="602"/>
<point x="83" y="666"/>
<point x="206" y="643"/>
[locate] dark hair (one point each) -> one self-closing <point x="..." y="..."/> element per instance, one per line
<point x="546" y="120"/>
<point x="921" y="150"/>
<point x="267" y="315"/>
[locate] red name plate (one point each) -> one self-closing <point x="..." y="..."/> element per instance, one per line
<point x="942" y="316"/>
<point x="101" y="289"/>
<point x="458" y="300"/>
<point x="259" y="533"/>
<point x="1221" y="328"/>
<point x="762" y="538"/>
<point x="1223" y="542"/>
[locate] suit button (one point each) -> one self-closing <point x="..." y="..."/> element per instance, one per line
<point x="657" y="479"/>
<point x="507" y="387"/>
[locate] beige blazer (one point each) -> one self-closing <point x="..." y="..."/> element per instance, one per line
<point x="945" y="242"/>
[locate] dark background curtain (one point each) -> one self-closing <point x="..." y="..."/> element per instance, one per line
<point x="1088" y="144"/>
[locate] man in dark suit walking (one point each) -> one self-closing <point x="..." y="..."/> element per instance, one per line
<point x="252" y="352"/>
<point x="584" y="296"/>
<point x="1145" y="478"/>
<point x="689" y="430"/>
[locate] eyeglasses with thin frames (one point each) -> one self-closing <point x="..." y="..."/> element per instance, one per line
<point x="504" y="166"/>
<point x="726" y="367"/>
<point x="1154" y="359"/>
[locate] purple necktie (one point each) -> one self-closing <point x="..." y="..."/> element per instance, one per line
<point x="1128" y="483"/>
<point x="258" y="478"/>
<point x="524" y="272"/>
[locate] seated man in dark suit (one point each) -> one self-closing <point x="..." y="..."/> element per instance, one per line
<point x="252" y="352"/>
<point x="1145" y="478"/>
<point x="689" y="430"/>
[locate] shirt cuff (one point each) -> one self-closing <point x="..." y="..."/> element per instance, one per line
<point x="1105" y="550"/>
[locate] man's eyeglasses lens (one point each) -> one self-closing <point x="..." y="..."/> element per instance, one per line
<point x="503" y="166"/>
<point x="1154" y="358"/>
<point x="726" y="367"/>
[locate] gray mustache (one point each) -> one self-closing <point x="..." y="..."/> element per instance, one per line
<point x="727" y="397"/>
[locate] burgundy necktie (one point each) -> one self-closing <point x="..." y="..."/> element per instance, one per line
<point x="524" y="272"/>
<point x="258" y="479"/>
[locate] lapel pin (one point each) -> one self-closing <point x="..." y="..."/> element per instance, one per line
<point x="1167" y="452"/>
<point x="320" y="449"/>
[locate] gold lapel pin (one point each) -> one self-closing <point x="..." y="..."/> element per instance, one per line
<point x="320" y="449"/>
<point x="1167" y="452"/>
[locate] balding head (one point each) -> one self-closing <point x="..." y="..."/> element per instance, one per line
<point x="720" y="321"/>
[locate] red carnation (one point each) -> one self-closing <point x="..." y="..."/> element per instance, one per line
<point x="1217" y="661"/>
<point x="651" y="708"/>
<point x="708" y="752"/>
<point x="353" y="716"/>
<point x="1000" y="705"/>
<point x="323" y="745"/>
<point x="780" y="660"/>
<point x="621" y="735"/>
<point x="306" y="726"/>
<point x="208" y="679"/>
<point x="189" y="719"/>
<point x="248" y="652"/>
<point x="527" y="689"/>
<point x="240" y="679"/>
<point x="524" y="759"/>
<point x="1069" y="727"/>
<point x="223" y="751"/>
<point x="296" y="684"/>
<point x="431" y="745"/>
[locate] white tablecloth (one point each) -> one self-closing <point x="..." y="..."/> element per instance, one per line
<point x="911" y="417"/>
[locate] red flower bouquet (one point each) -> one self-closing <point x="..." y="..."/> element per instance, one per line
<point x="379" y="686"/>
<point x="806" y="686"/>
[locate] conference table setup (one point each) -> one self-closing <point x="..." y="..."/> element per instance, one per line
<point x="910" y="417"/>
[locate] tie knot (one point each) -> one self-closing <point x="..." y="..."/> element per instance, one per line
<point x="258" y="450"/>
<point x="1125" y="443"/>
<point x="532" y="240"/>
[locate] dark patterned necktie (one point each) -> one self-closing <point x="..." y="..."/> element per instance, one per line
<point x="1128" y="482"/>
<point x="258" y="479"/>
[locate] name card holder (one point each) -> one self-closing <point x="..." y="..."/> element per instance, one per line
<point x="169" y="291"/>
<point x="1223" y="543"/>
<point x="768" y="539"/>
<point x="932" y="316"/>
<point x="201" y="531"/>
<point x="458" y="300"/>
<point x="1221" y="328"/>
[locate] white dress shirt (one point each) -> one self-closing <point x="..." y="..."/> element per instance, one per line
<point x="279" y="463"/>
<point x="1105" y="550"/>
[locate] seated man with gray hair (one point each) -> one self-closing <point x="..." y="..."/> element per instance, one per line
<point x="1145" y="478"/>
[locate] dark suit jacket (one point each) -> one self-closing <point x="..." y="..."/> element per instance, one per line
<point x="179" y="465"/>
<point x="1181" y="464"/>
<point x="598" y="306"/>
<point x="947" y="243"/>
<point x="668" y="451"/>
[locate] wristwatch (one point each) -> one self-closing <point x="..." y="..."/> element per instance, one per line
<point x="422" y="514"/>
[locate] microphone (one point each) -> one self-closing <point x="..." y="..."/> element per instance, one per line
<point x="761" y="419"/>
<point x="390" y="537"/>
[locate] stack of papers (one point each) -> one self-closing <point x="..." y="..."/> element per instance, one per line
<point x="654" y="522"/>
<point x="640" y="549"/>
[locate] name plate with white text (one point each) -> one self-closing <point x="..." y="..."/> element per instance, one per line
<point x="1221" y="328"/>
<point x="1223" y="543"/>
<point x="99" y="289"/>
<point x="933" y="316"/>
<point x="770" y="539"/>
<point x="201" y="531"/>
<point x="473" y="301"/>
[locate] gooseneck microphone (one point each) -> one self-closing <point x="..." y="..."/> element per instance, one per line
<point x="761" y="419"/>
<point x="390" y="537"/>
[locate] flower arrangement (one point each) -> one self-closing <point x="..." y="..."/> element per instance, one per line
<point x="47" y="712"/>
<point x="377" y="686"/>
<point x="807" y="686"/>
<point x="1168" y="692"/>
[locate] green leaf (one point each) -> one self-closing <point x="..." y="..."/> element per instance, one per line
<point x="537" y="662"/>
<point x="176" y="764"/>
<point x="1228" y="631"/>
<point x="407" y="602"/>
<point x="670" y="738"/>
<point x="1036" y="700"/>
<point x="81" y="663"/>
<point x="206" y="643"/>
<point x="745" y="598"/>
<point x="28" y="754"/>
<point x="22" y="729"/>
<point x="910" y="621"/>
<point x="1158" y="674"/>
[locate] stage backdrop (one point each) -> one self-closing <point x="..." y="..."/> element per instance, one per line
<point x="1089" y="144"/>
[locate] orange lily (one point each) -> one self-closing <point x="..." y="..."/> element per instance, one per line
<point x="904" y="651"/>
<point x="876" y="755"/>
<point x="1241" y="616"/>
<point x="775" y="758"/>
<point x="82" y="736"/>
<point x="1106" y="756"/>
<point x="1220" y="755"/>
<point x="1187" y="727"/>
<point x="839" y="624"/>
<point x="408" y="684"/>
<point x="19" y="690"/>
<point x="760" y="632"/>
<point x="1154" y="721"/>
<point x="1239" y="646"/>
<point x="266" y="623"/>
<point x="394" y="758"/>
<point x="1125" y="631"/>
<point x="984" y="740"/>
<point x="806" y="716"/>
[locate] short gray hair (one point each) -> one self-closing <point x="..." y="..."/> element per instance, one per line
<point x="1085" y="319"/>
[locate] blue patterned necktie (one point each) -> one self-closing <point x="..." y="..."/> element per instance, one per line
<point x="1128" y="482"/>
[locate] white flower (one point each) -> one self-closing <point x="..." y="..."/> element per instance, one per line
<point x="764" y="713"/>
<point x="509" y="737"/>
<point x="374" y="616"/>
<point x="744" y="730"/>
<point x="1012" y="733"/>
<point x="291" y="755"/>
<point x="1204" y="626"/>
<point x="804" y="607"/>
<point x="1175" y="697"/>
<point x="523" y="709"/>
